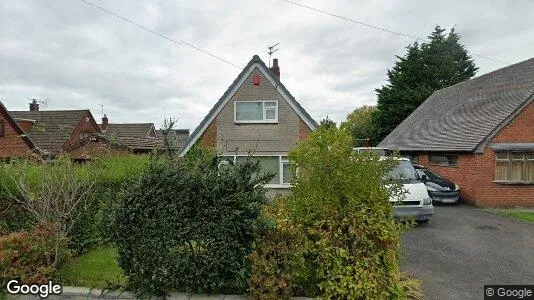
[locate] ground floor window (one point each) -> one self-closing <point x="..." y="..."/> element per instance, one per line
<point x="514" y="166"/>
<point x="278" y="165"/>
<point x="443" y="160"/>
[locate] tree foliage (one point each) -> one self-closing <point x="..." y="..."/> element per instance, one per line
<point x="359" y="123"/>
<point x="335" y="235"/>
<point x="441" y="62"/>
<point x="327" y="122"/>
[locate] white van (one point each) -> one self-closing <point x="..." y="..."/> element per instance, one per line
<point x="416" y="203"/>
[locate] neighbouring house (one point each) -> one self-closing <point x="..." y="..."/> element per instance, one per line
<point x="138" y="138"/>
<point x="480" y="134"/>
<point x="13" y="141"/>
<point x="52" y="131"/>
<point x="177" y="137"/>
<point x="256" y="116"/>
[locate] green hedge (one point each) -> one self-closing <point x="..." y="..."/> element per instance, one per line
<point x="93" y="227"/>
<point x="189" y="226"/>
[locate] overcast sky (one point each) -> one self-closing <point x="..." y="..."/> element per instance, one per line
<point x="76" y="56"/>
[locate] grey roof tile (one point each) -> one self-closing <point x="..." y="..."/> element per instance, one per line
<point x="464" y="116"/>
<point x="133" y="130"/>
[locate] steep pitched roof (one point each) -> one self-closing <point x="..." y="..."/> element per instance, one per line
<point x="52" y="128"/>
<point x="131" y="130"/>
<point x="254" y="62"/>
<point x="465" y="116"/>
<point x="11" y="120"/>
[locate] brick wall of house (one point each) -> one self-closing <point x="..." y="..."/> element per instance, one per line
<point x="475" y="173"/>
<point x="25" y="125"/>
<point x="86" y="124"/>
<point x="520" y="129"/>
<point x="464" y="174"/>
<point x="208" y="139"/>
<point x="304" y="130"/>
<point x="11" y="144"/>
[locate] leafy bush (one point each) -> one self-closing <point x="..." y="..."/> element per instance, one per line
<point x="104" y="177"/>
<point x="28" y="256"/>
<point x="343" y="204"/>
<point x="340" y="205"/>
<point x="189" y="226"/>
<point x="279" y="267"/>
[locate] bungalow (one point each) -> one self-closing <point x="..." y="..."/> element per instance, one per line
<point x="256" y="116"/>
<point x="53" y="130"/>
<point x="142" y="137"/>
<point x="478" y="133"/>
<point x="13" y="141"/>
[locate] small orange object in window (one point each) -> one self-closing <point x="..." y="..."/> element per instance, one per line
<point x="256" y="79"/>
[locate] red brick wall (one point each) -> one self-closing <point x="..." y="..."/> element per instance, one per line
<point x="209" y="137"/>
<point x="475" y="173"/>
<point x="24" y="125"/>
<point x="85" y="125"/>
<point x="464" y="174"/>
<point x="11" y="144"/>
<point x="520" y="129"/>
<point x="304" y="130"/>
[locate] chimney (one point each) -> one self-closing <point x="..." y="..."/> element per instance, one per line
<point x="275" y="68"/>
<point x="34" y="106"/>
<point x="104" y="122"/>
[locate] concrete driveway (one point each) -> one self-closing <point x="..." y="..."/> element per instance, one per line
<point x="463" y="248"/>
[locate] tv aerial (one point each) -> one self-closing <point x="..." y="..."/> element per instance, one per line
<point x="271" y="51"/>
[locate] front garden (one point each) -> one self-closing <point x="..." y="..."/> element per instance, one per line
<point x="161" y="224"/>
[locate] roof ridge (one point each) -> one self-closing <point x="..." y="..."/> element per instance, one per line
<point x="484" y="75"/>
<point x="46" y="111"/>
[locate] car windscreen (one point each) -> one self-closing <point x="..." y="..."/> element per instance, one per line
<point x="431" y="175"/>
<point x="404" y="172"/>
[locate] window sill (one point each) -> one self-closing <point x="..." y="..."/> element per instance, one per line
<point x="451" y="166"/>
<point x="255" y="122"/>
<point x="505" y="182"/>
<point x="277" y="186"/>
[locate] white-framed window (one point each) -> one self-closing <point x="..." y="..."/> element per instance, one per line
<point x="514" y="167"/>
<point x="286" y="171"/>
<point x="278" y="165"/>
<point x="256" y="111"/>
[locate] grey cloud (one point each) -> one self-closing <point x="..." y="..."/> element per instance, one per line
<point x="79" y="57"/>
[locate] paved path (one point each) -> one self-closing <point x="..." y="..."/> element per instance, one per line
<point x="463" y="248"/>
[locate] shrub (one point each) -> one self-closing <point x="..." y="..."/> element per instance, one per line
<point x="188" y="226"/>
<point x="29" y="255"/>
<point x="342" y="204"/>
<point x="103" y="179"/>
<point x="279" y="267"/>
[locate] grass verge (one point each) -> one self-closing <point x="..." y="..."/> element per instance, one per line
<point x="97" y="268"/>
<point x="522" y="215"/>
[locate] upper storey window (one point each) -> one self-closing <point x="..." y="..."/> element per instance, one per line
<point x="256" y="111"/>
